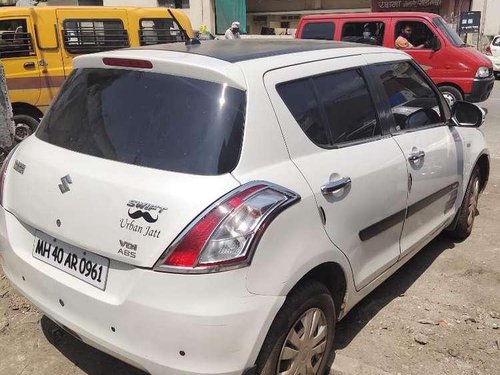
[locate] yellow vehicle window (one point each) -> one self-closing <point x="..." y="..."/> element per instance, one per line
<point x="159" y="30"/>
<point x="15" y="40"/>
<point x="87" y="36"/>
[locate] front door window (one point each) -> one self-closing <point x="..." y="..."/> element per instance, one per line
<point x="414" y="35"/>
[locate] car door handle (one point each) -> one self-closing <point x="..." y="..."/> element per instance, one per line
<point x="415" y="156"/>
<point x="333" y="186"/>
<point x="29" y="65"/>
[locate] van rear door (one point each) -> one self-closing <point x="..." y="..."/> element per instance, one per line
<point x="86" y="31"/>
<point x="20" y="59"/>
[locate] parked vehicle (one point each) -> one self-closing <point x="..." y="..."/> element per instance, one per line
<point x="37" y="47"/>
<point x="493" y="52"/>
<point x="215" y="209"/>
<point x="461" y="73"/>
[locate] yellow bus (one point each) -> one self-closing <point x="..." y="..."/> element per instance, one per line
<point x="38" y="44"/>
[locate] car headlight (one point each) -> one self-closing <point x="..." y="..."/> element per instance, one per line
<point x="482" y="72"/>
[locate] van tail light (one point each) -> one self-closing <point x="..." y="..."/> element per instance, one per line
<point x="226" y="234"/>
<point x="3" y="172"/>
<point x="488" y="51"/>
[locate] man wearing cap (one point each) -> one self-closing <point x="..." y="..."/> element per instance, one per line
<point x="234" y="31"/>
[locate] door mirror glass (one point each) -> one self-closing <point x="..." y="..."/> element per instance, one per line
<point x="467" y="114"/>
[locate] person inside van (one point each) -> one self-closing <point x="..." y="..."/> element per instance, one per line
<point x="403" y="40"/>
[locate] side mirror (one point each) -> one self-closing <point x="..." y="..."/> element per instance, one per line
<point x="467" y="114"/>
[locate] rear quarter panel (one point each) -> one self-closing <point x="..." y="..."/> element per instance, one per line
<point x="474" y="145"/>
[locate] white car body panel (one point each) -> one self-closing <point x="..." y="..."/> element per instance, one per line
<point x="220" y="320"/>
<point x="495" y="53"/>
<point x="94" y="215"/>
<point x="349" y="212"/>
<point x="439" y="173"/>
<point x="175" y="63"/>
<point x="155" y="315"/>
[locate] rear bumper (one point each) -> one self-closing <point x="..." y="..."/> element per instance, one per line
<point x="213" y="319"/>
<point x="481" y="89"/>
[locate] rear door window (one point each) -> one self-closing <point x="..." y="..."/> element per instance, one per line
<point x="300" y="99"/>
<point x="159" y="30"/>
<point x="332" y="109"/>
<point x="318" y="30"/>
<point x="148" y="119"/>
<point x="348" y="107"/>
<point x="364" y="32"/>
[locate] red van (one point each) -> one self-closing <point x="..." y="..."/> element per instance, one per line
<point x="460" y="72"/>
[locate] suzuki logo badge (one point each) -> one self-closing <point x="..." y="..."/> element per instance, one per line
<point x="64" y="185"/>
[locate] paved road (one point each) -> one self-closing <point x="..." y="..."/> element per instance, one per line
<point x="451" y="288"/>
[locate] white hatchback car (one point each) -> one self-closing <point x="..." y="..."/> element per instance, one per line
<point x="216" y="208"/>
<point x="493" y="52"/>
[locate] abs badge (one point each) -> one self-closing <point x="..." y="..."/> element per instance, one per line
<point x="142" y="211"/>
<point x="127" y="249"/>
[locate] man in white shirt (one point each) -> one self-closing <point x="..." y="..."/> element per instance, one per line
<point x="234" y="31"/>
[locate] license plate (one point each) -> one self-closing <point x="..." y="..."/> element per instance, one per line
<point x="82" y="264"/>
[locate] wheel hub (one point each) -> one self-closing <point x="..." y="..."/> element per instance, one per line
<point x="305" y="345"/>
<point x="22" y="131"/>
<point x="474" y="197"/>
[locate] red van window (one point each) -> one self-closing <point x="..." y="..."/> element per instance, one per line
<point x="364" y="32"/>
<point x="414" y="34"/>
<point x="318" y="30"/>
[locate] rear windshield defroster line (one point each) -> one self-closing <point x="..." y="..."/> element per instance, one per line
<point x="148" y="119"/>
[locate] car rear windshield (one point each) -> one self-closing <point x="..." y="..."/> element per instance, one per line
<point x="148" y="119"/>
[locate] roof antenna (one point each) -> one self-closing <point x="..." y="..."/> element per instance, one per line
<point x="189" y="41"/>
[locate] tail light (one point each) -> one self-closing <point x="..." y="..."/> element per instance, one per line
<point x="225" y="235"/>
<point x="3" y="172"/>
<point x="488" y="51"/>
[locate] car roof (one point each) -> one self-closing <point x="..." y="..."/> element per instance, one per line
<point x="379" y="15"/>
<point x="249" y="49"/>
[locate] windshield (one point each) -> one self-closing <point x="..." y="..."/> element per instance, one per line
<point x="148" y="119"/>
<point x="451" y="34"/>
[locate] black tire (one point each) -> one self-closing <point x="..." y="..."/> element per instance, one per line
<point x="451" y="94"/>
<point x="468" y="209"/>
<point x="306" y="299"/>
<point x="24" y="126"/>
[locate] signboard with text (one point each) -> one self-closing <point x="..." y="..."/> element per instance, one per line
<point x="469" y="22"/>
<point x="402" y="5"/>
